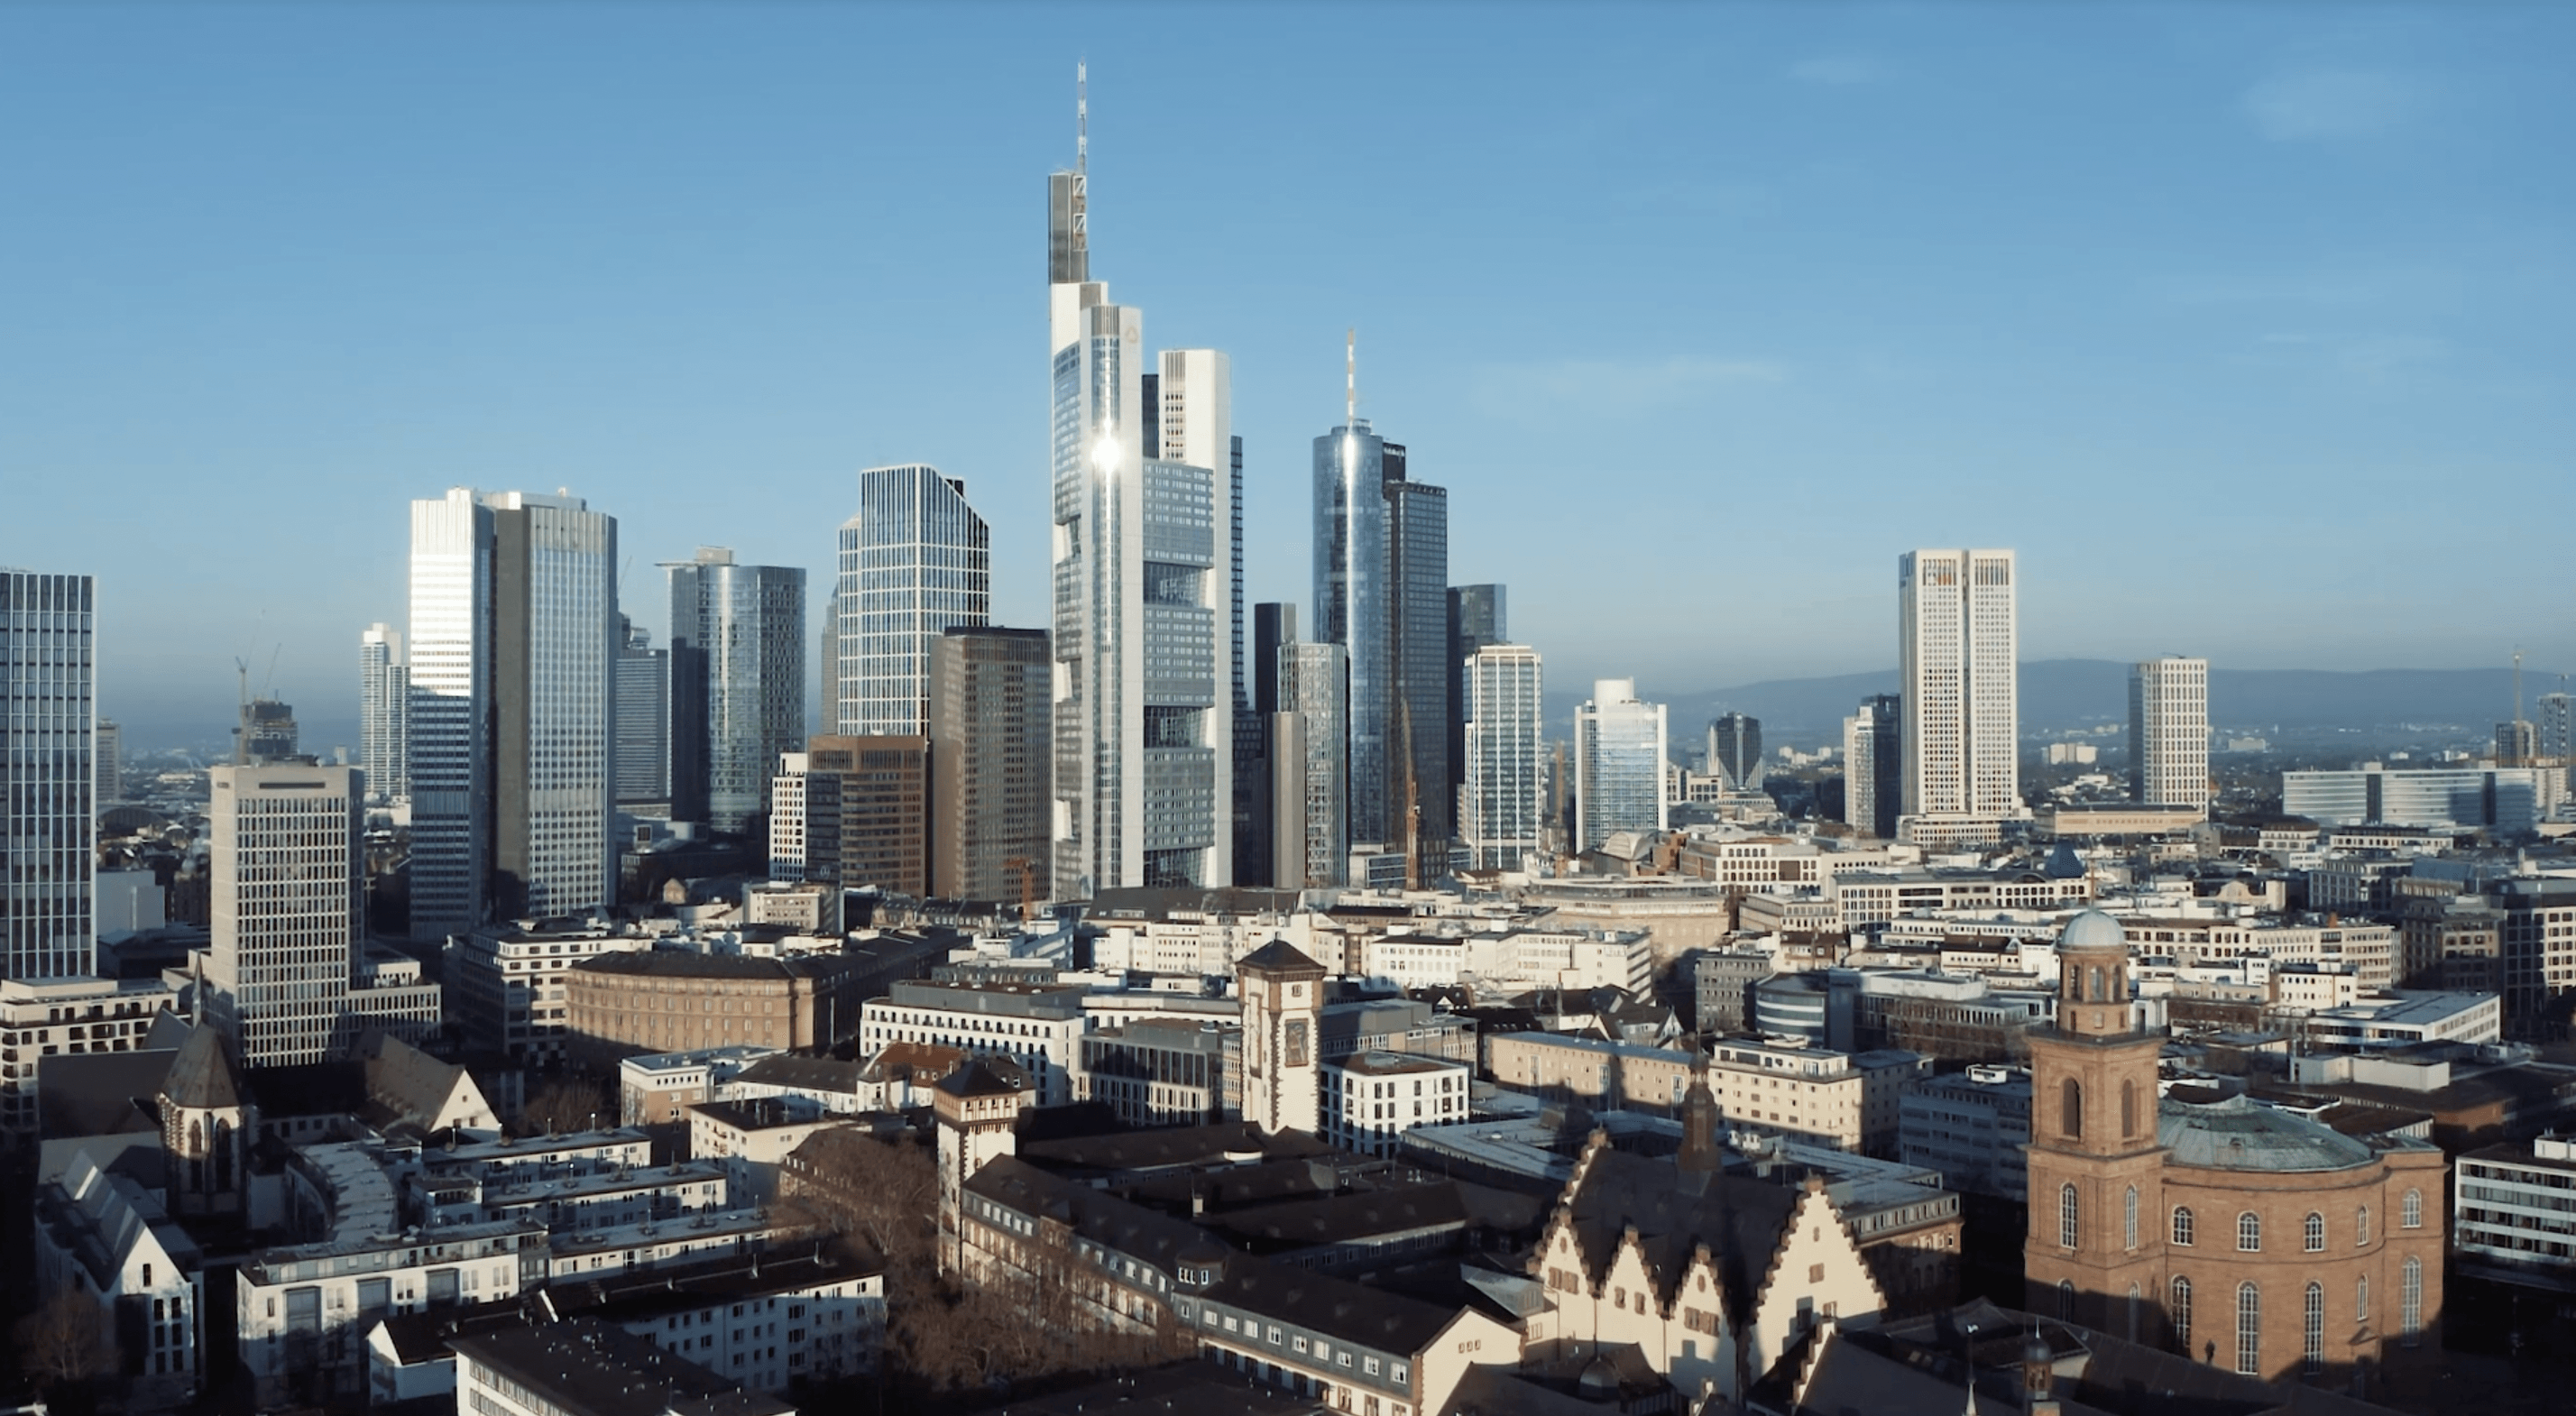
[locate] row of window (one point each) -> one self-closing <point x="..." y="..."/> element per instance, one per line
<point x="2249" y="1225"/>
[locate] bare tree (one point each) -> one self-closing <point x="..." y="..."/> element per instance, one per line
<point x="884" y="1192"/>
<point x="566" y="1103"/>
<point x="66" y="1341"/>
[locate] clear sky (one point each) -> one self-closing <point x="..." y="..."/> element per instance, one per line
<point x="2247" y="327"/>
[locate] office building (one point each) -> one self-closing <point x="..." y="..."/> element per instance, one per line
<point x="110" y="755"/>
<point x="1370" y="1099"/>
<point x="643" y="719"/>
<point x="2504" y="800"/>
<point x="1162" y="1071"/>
<point x="288" y="887"/>
<point x="266" y="733"/>
<point x="865" y="808"/>
<point x="2169" y="732"/>
<point x="992" y="742"/>
<point x="1874" y="766"/>
<point x="2509" y="1213"/>
<point x="2517" y="743"/>
<point x="1274" y="625"/>
<point x="1039" y="1027"/>
<point x="48" y="764"/>
<point x="1502" y="807"/>
<point x="384" y="713"/>
<point x="915" y="561"/>
<point x="1477" y="617"/>
<point x="1143" y="575"/>
<point x="1619" y="777"/>
<point x="2554" y="725"/>
<point x="1958" y="647"/>
<point x="1973" y="1127"/>
<point x="1310" y="830"/>
<point x="513" y="710"/>
<point x="1423" y="675"/>
<point x="738" y="668"/>
<point x="804" y="821"/>
<point x="1735" y="752"/>
<point x="616" y="1002"/>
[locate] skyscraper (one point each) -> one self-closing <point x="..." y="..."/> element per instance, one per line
<point x="1735" y="751"/>
<point x="880" y="788"/>
<point x="288" y="887"/>
<point x="2516" y="742"/>
<point x="48" y="773"/>
<point x="1143" y="576"/>
<point x="1417" y="542"/>
<point x="1958" y="647"/>
<point x="384" y="711"/>
<point x="991" y="739"/>
<point x="111" y="763"/>
<point x="1274" y="625"/>
<point x="1873" y="766"/>
<point x="739" y="630"/>
<point x="267" y="732"/>
<point x="2554" y="715"/>
<point x="1619" y="773"/>
<point x="1503" y="808"/>
<point x="915" y="562"/>
<point x="643" y="719"/>
<point x="1476" y="619"/>
<point x="513" y="708"/>
<point x="1310" y="835"/>
<point x="2169" y="732"/>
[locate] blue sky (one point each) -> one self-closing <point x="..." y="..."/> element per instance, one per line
<point x="2245" y="326"/>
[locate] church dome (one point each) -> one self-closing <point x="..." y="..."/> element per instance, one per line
<point x="2241" y="1134"/>
<point x="2094" y="930"/>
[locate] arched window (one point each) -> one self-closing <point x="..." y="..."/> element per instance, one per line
<point x="2128" y="1108"/>
<point x="2133" y="1312"/>
<point x="2070" y="1107"/>
<point x="2361" y="1299"/>
<point x="2066" y="1300"/>
<point x="2182" y="1226"/>
<point x="2249" y="1330"/>
<point x="2249" y="1233"/>
<point x="2410" y="1300"/>
<point x="2068" y="1227"/>
<point x="2361" y="1228"/>
<point x="2093" y="985"/>
<point x="2410" y="1210"/>
<point x="2181" y="1313"/>
<point x="2129" y="1219"/>
<point x="2313" y="1233"/>
<point x="2312" y="1329"/>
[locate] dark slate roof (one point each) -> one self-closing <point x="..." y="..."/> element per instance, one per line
<point x="1171" y="1146"/>
<point x="1344" y="1219"/>
<point x="1184" y="1389"/>
<point x="424" y="1337"/>
<point x="680" y="963"/>
<point x="100" y="1093"/>
<point x="986" y="1076"/>
<point x="588" y="1368"/>
<point x="1739" y="1218"/>
<point x="1278" y="956"/>
<point x="624" y="1298"/>
<point x="409" y="1083"/>
<point x="1105" y="1219"/>
<point x="1219" y="1187"/>
<point x="1336" y="1307"/>
<point x="821" y="1074"/>
<point x="202" y="1075"/>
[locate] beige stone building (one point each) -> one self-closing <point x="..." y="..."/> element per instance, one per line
<point x="665" y="1000"/>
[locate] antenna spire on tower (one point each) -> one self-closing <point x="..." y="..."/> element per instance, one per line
<point x="1081" y="116"/>
<point x="1351" y="379"/>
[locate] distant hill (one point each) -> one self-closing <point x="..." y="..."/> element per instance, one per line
<point x="2066" y="693"/>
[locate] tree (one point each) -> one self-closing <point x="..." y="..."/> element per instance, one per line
<point x="66" y="1341"/>
<point x="566" y="1103"/>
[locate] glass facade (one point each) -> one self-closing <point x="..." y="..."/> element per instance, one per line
<point x="1503" y="807"/>
<point x="450" y="740"/>
<point x="915" y="562"/>
<point x="1315" y="777"/>
<point x="384" y="700"/>
<point x="48" y="773"/>
<point x="740" y="632"/>
<point x="643" y="719"/>
<point x="1352" y="608"/>
<point x="1618" y="764"/>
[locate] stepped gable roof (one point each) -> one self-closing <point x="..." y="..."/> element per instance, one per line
<point x="1278" y="956"/>
<point x="1121" y="1225"/>
<point x="202" y="1075"/>
<point x="1739" y="1218"/>
<point x="2243" y="1134"/>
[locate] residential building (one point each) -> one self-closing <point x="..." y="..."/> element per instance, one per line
<point x="1039" y="1027"/>
<point x="750" y="1140"/>
<point x="2554" y="724"/>
<point x="582" y="1363"/>
<point x="653" y="1088"/>
<point x="1619" y="777"/>
<point x="66" y="1017"/>
<point x="107" y="1240"/>
<point x="1502" y="805"/>
<point x="288" y="890"/>
<point x="1874" y="766"/>
<point x="804" y="821"/>
<point x="915" y="561"/>
<point x="2504" y="800"/>
<point x="384" y="712"/>
<point x="2169" y="732"/>
<point x="1370" y="1099"/>
<point x="992" y="743"/>
<point x="737" y="682"/>
<point x="643" y="719"/>
<point x="1958" y="645"/>
<point x="1972" y="1126"/>
<point x="1310" y="825"/>
<point x="1735" y="752"/>
<point x="666" y="1000"/>
<point x="305" y="1310"/>
<point x="48" y="719"/>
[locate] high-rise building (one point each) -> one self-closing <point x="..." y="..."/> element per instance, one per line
<point x="738" y="666"/>
<point x="1143" y="576"/>
<point x="1476" y="618"/>
<point x="2554" y="716"/>
<point x="513" y="708"/>
<point x="384" y="712"/>
<point x="267" y="732"/>
<point x="2516" y="743"/>
<point x="1874" y="766"/>
<point x="1423" y="674"/>
<point x="1735" y="751"/>
<point x="881" y="786"/>
<point x="288" y="887"/>
<point x="991" y="744"/>
<point x="111" y="763"/>
<point x="1274" y="626"/>
<point x="915" y="562"/>
<point x="1958" y="647"/>
<point x="1310" y="835"/>
<point x="2169" y="732"/>
<point x="48" y="773"/>
<point x="1619" y="777"/>
<point x="1502" y="810"/>
<point x="643" y="718"/>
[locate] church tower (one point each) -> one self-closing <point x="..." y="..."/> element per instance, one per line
<point x="2095" y="1252"/>
<point x="1283" y="1011"/>
<point x="205" y="1126"/>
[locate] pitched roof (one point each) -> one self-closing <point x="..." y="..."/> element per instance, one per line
<point x="1739" y="1218"/>
<point x="202" y="1075"/>
<point x="1337" y="1307"/>
<point x="1103" y="1218"/>
<point x="1278" y="956"/>
<point x="408" y="1082"/>
<point x="1169" y="1146"/>
<point x="986" y="1076"/>
<point x="818" y="1074"/>
<point x="100" y="1094"/>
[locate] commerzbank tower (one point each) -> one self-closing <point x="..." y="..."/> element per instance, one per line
<point x="1148" y="538"/>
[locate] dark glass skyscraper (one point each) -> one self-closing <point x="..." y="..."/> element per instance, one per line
<point x="1381" y="591"/>
<point x="1476" y="619"/>
<point x="738" y="664"/>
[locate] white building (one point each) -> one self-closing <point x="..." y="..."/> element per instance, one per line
<point x="915" y="562"/>
<point x="107" y="1239"/>
<point x="66" y="1017"/>
<point x="505" y="984"/>
<point x="1619" y="777"/>
<point x="304" y="1310"/>
<point x="1958" y="646"/>
<point x="288" y="885"/>
<point x="2169" y="732"/>
<point x="2506" y="800"/>
<point x="48" y="727"/>
<point x="586" y="1365"/>
<point x="2509" y="1214"/>
<point x="384" y="713"/>
<point x="1971" y="1127"/>
<point x="1372" y="1098"/>
<point x="791" y="813"/>
<point x="1572" y="960"/>
<point x="1502" y="806"/>
<point x="1038" y="1026"/>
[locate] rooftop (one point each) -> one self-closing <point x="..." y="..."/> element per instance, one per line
<point x="2241" y="1134"/>
<point x="587" y="1368"/>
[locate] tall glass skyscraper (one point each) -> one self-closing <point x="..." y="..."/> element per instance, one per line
<point x="384" y="704"/>
<point x="1476" y="618"/>
<point x="1958" y="647"/>
<point x="1874" y="766"/>
<point x="916" y="562"/>
<point x="48" y="772"/>
<point x="1735" y="751"/>
<point x="738" y="658"/>
<point x="643" y="719"/>
<point x="1381" y="591"/>
<point x="1310" y="769"/>
<point x="1618" y="764"/>
<point x="1502" y="810"/>
<point x="1417" y="543"/>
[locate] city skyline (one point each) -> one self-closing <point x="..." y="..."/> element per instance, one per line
<point x="2205" y="317"/>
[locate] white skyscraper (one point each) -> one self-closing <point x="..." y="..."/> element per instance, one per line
<point x="48" y="773"/>
<point x="287" y="894"/>
<point x="1502" y="808"/>
<point x="1958" y="649"/>
<point x="513" y="708"/>
<point x="2169" y="732"/>
<point x="1619" y="776"/>
<point x="384" y="707"/>
<point x="1144" y="577"/>
<point x="916" y="562"/>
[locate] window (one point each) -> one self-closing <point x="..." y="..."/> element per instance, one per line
<point x="2181" y="1314"/>
<point x="2068" y="1216"/>
<point x="2070" y="1108"/>
<point x="2249" y="1233"/>
<point x="2312" y="1329"/>
<point x="2410" y="1210"/>
<point x="2361" y="1299"/>
<point x="2129" y="1218"/>
<point x="2410" y="1299"/>
<point x="2361" y="1228"/>
<point x="2128" y="1108"/>
<point x="2133" y="1312"/>
<point x="2182" y="1226"/>
<point x="2065" y="1300"/>
<point x="2313" y="1233"/>
<point x="2249" y="1330"/>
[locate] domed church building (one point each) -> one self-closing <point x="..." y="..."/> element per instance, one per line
<point x="2253" y="1239"/>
